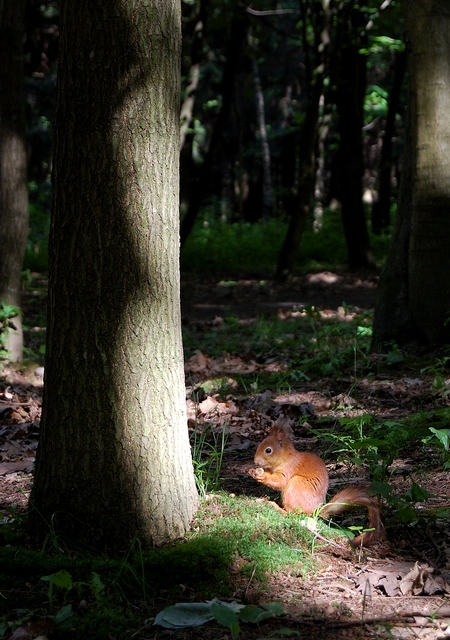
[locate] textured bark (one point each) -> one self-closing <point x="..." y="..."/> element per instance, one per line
<point x="13" y="164"/>
<point x="114" y="457"/>
<point x="414" y="292"/>
<point x="428" y="29"/>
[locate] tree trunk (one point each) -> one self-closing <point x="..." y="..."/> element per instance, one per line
<point x="114" y="457"/>
<point x="414" y="291"/>
<point x="13" y="165"/>
<point x="187" y="107"/>
<point x="349" y="104"/>
<point x="428" y="30"/>
<point x="307" y="168"/>
<point x="393" y="321"/>
<point x="381" y="212"/>
<point x="267" y="191"/>
<point x="306" y="183"/>
<point x="238" y="33"/>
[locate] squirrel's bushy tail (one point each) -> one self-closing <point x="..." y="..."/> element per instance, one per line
<point x="357" y="497"/>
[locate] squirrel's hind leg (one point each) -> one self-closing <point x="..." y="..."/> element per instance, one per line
<point x="303" y="494"/>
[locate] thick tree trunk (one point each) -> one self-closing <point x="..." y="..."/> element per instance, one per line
<point x="114" y="457"/>
<point x="13" y="165"/>
<point x="414" y="292"/>
<point x="428" y="29"/>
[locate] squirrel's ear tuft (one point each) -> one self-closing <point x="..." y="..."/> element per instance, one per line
<point x="276" y="432"/>
<point x="283" y="424"/>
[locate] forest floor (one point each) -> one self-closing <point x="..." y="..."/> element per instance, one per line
<point x="400" y="588"/>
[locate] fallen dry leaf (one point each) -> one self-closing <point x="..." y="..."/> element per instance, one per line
<point x="20" y="465"/>
<point x="401" y="578"/>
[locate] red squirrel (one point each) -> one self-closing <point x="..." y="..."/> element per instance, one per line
<point x="303" y="481"/>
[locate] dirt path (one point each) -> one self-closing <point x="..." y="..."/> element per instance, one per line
<point x="205" y="298"/>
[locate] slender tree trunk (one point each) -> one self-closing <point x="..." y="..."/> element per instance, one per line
<point x="308" y="144"/>
<point x="288" y="156"/>
<point x="13" y="165"/>
<point x="267" y="191"/>
<point x="306" y="183"/>
<point x="414" y="292"/>
<point x="319" y="189"/>
<point x="187" y="108"/>
<point x="381" y="213"/>
<point x="238" y="33"/>
<point x="114" y="457"/>
<point x="349" y="104"/>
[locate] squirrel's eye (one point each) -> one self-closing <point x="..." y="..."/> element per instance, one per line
<point x="268" y="450"/>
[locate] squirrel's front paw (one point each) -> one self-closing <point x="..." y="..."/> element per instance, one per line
<point x="257" y="474"/>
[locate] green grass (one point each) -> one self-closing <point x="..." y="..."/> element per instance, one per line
<point x="306" y="346"/>
<point x="237" y="248"/>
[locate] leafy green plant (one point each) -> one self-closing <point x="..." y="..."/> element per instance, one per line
<point x="440" y="384"/>
<point x="207" y="457"/>
<point x="394" y="356"/>
<point x="364" y="441"/>
<point x="361" y="440"/>
<point x="7" y="311"/>
<point x="442" y="438"/>
<point x="401" y="505"/>
<point x="63" y="580"/>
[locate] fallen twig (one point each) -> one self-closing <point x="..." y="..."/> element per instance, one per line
<point x="408" y="617"/>
<point x="327" y="540"/>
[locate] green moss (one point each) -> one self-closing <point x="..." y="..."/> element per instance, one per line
<point x="232" y="540"/>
